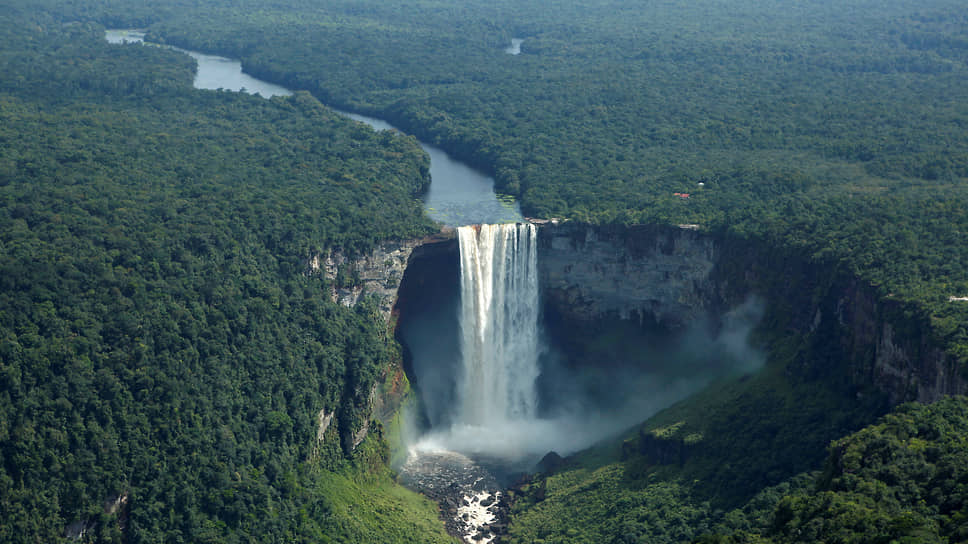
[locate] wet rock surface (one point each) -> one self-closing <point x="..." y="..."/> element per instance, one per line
<point x="472" y="504"/>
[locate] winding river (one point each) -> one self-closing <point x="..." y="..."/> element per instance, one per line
<point x="458" y="194"/>
<point x="469" y="494"/>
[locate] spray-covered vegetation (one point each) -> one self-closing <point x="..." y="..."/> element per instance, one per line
<point x="738" y="464"/>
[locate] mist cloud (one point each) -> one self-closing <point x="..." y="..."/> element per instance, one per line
<point x="584" y="404"/>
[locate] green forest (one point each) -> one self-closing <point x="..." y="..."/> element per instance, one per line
<point x="902" y="479"/>
<point x="836" y="129"/>
<point x="165" y="354"/>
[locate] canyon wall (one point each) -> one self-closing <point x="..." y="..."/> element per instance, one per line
<point x="646" y="273"/>
<point x="669" y="277"/>
<point x="377" y="274"/>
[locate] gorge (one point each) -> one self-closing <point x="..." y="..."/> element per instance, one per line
<point x="668" y="286"/>
<point x="628" y="320"/>
<point x="634" y="319"/>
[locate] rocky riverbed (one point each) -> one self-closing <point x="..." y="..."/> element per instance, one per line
<point x="472" y="504"/>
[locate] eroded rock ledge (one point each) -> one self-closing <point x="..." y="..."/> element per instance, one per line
<point x="376" y="273"/>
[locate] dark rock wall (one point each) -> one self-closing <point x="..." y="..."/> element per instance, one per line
<point x="671" y="276"/>
<point x="632" y="273"/>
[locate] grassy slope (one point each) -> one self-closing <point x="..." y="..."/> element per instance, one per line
<point x="360" y="502"/>
<point x="379" y="510"/>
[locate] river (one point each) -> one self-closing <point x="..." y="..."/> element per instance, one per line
<point x="471" y="502"/>
<point x="458" y="195"/>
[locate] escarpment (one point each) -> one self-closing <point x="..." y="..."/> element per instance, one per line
<point x="667" y="277"/>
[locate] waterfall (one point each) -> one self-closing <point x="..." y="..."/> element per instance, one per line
<point x="499" y="323"/>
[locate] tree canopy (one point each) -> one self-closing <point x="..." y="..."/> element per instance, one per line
<point x="165" y="353"/>
<point x="837" y="129"/>
<point x="161" y="341"/>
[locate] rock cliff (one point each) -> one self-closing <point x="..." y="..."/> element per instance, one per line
<point x="669" y="277"/>
<point x="376" y="274"/>
<point x="658" y="274"/>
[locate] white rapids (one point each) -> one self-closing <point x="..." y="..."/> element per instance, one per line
<point x="469" y="497"/>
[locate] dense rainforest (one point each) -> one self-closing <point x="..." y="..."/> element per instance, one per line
<point x="165" y="355"/>
<point x="837" y="129"/>
<point x="902" y="479"/>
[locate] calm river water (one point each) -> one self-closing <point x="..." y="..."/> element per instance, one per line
<point x="458" y="194"/>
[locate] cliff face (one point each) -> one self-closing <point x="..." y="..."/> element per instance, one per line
<point x="632" y="273"/>
<point x="377" y="274"/>
<point x="894" y="348"/>
<point x="670" y="277"/>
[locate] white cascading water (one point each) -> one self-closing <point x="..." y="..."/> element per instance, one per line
<point x="496" y="391"/>
<point x="496" y="412"/>
<point x="499" y="323"/>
